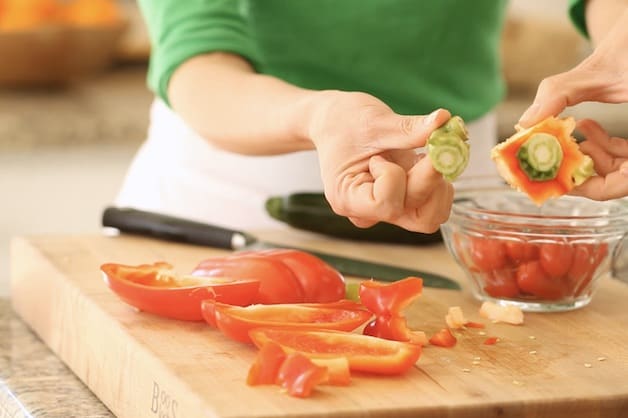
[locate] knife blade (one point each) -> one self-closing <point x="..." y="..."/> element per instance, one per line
<point x="171" y="228"/>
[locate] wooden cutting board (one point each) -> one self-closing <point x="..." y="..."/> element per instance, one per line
<point x="572" y="364"/>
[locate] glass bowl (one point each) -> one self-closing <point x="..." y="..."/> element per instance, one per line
<point x="539" y="258"/>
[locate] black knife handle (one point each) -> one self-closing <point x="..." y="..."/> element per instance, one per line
<point x="157" y="225"/>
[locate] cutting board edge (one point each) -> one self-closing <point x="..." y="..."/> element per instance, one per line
<point x="103" y="361"/>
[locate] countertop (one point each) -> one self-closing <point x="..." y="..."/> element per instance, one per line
<point x="33" y="381"/>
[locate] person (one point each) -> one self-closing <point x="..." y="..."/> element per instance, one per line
<point x="260" y="98"/>
<point x="601" y="77"/>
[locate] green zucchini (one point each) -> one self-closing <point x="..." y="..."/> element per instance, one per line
<point x="448" y="148"/>
<point x="310" y="211"/>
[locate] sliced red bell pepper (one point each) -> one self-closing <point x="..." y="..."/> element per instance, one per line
<point x="394" y="328"/>
<point x="387" y="301"/>
<point x="278" y="284"/>
<point x="299" y="375"/>
<point x="236" y="322"/>
<point x="320" y="281"/>
<point x="338" y="372"/>
<point x="390" y="298"/>
<point x="443" y="338"/>
<point x="364" y="353"/>
<point x="157" y="289"/>
<point x="265" y="369"/>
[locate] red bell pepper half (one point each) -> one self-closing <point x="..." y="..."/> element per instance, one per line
<point x="236" y="322"/>
<point x="364" y="353"/>
<point x="286" y="275"/>
<point x="156" y="289"/>
<point x="278" y="284"/>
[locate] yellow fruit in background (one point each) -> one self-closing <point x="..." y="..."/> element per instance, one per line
<point x="18" y="15"/>
<point x="92" y="13"/>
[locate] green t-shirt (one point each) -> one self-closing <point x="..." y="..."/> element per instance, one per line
<point x="414" y="55"/>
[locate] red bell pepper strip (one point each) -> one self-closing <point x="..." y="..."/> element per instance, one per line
<point x="364" y="353"/>
<point x="265" y="369"/>
<point x="299" y="375"/>
<point x="443" y="338"/>
<point x="338" y="372"/>
<point x="157" y="289"/>
<point x="236" y="322"/>
<point x="390" y="299"/>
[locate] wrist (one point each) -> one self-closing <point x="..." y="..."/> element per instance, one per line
<point x="311" y="113"/>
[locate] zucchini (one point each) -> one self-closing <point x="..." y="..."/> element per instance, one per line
<point x="310" y="211"/>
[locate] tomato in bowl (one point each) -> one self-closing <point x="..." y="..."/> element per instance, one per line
<point x="540" y="258"/>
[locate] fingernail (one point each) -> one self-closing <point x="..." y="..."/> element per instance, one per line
<point x="623" y="170"/>
<point x="431" y="118"/>
<point x="530" y="113"/>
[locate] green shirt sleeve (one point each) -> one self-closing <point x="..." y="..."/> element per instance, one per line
<point x="180" y="30"/>
<point x="576" y="13"/>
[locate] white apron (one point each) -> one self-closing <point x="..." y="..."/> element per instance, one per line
<point x="177" y="172"/>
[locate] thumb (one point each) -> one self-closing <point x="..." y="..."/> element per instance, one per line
<point x="409" y="132"/>
<point x="555" y="93"/>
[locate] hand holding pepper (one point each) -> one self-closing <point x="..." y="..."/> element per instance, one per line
<point x="601" y="77"/>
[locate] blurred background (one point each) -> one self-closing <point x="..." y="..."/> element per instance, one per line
<point x="74" y="103"/>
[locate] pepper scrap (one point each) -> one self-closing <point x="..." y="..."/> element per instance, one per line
<point x="543" y="161"/>
<point x="386" y="301"/>
<point x="157" y="289"/>
<point x="294" y="372"/>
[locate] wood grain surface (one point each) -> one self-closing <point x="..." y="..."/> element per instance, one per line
<point x="572" y="364"/>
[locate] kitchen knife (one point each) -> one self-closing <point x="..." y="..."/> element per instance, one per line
<point x="156" y="225"/>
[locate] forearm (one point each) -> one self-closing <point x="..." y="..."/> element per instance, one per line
<point x="603" y="15"/>
<point x="225" y="101"/>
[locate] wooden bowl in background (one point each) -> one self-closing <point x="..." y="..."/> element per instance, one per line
<point x="56" y="54"/>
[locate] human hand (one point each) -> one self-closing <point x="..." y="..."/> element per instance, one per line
<point x="610" y="157"/>
<point x="601" y="77"/>
<point x="369" y="166"/>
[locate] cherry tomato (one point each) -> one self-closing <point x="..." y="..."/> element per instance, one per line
<point x="587" y="258"/>
<point x="501" y="283"/>
<point x="556" y="259"/>
<point x="532" y="279"/>
<point x="519" y="251"/>
<point x="278" y="284"/>
<point x="320" y="281"/>
<point x="488" y="254"/>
